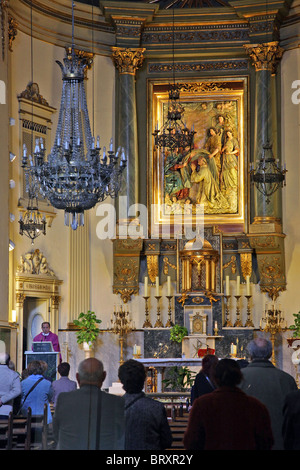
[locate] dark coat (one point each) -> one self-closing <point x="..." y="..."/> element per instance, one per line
<point x="228" y="419"/>
<point x="270" y="385"/>
<point x="146" y="423"/>
<point x="202" y="385"/>
<point x="77" y="415"/>
<point x="291" y="421"/>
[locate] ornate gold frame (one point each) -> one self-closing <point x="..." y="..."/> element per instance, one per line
<point x="196" y="91"/>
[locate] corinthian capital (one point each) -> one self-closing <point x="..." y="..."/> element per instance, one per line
<point x="127" y="61"/>
<point x="265" y="56"/>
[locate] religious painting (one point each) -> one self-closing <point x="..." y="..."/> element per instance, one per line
<point x="210" y="176"/>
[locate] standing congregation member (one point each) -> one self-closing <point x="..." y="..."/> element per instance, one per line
<point x="146" y="421"/>
<point x="227" y="418"/>
<point x="267" y="383"/>
<point x="64" y="384"/>
<point x="88" y="418"/>
<point x="10" y="386"/>
<point x="204" y="381"/>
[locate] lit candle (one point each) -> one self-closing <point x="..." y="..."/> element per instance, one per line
<point x="247" y="285"/>
<point x="146" y="287"/>
<point x="216" y="325"/>
<point x="169" y="286"/>
<point x="157" y="287"/>
<point x="14" y="316"/>
<point x="227" y="285"/>
<point x="238" y="285"/>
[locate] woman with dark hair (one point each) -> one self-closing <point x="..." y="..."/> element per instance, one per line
<point x="146" y="422"/>
<point x="227" y="418"/>
<point x="204" y="381"/>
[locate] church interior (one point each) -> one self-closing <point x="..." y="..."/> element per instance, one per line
<point x="189" y="222"/>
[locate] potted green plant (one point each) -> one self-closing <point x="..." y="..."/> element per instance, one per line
<point x="88" y="329"/>
<point x="296" y="328"/>
<point x="177" y="333"/>
<point x="179" y="378"/>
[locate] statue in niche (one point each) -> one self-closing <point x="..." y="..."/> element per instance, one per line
<point x="34" y="263"/>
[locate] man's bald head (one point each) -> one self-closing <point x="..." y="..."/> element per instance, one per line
<point x="91" y="372"/>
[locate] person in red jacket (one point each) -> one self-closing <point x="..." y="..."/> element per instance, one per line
<point x="227" y="418"/>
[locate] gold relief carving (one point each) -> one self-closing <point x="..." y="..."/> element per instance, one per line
<point x="20" y="298"/>
<point x="168" y="264"/>
<point x="269" y="242"/>
<point x="231" y="263"/>
<point x="271" y="268"/>
<point x="152" y="267"/>
<point x="12" y="31"/>
<point x="265" y="56"/>
<point x="245" y="245"/>
<point x="151" y="246"/>
<point x="246" y="264"/>
<point x="126" y="60"/>
<point x="126" y="270"/>
<point x="129" y="244"/>
<point x="273" y="291"/>
<point x="55" y="299"/>
<point x="183" y="298"/>
<point x="197" y="300"/>
<point x="125" y="293"/>
<point x="228" y="246"/>
<point x="203" y="87"/>
<point x="211" y="297"/>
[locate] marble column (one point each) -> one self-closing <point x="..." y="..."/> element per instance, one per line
<point x="127" y="61"/>
<point x="265" y="58"/>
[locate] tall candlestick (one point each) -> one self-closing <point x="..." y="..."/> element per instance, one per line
<point x="227" y="285"/>
<point x="169" y="285"/>
<point x="238" y="285"/>
<point x="157" y="287"/>
<point x="146" y="287"/>
<point x="248" y="285"/>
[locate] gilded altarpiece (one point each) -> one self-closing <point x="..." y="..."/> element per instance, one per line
<point x="213" y="173"/>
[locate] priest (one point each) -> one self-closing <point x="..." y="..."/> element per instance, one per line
<point x="47" y="335"/>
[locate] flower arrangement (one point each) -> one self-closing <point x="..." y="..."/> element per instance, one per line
<point x="177" y="333"/>
<point x="296" y="325"/>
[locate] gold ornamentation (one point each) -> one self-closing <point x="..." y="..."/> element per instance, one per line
<point x="183" y="298"/>
<point x="167" y="264"/>
<point x="197" y="300"/>
<point x="273" y="291"/>
<point x="246" y="264"/>
<point x="231" y="263"/>
<point x="125" y="293"/>
<point x="126" y="270"/>
<point x="265" y="56"/>
<point x="152" y="267"/>
<point x="12" y="31"/>
<point x="126" y="60"/>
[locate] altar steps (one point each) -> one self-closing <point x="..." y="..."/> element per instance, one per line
<point x="178" y="427"/>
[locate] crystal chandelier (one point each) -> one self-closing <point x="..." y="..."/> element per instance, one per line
<point x="267" y="176"/>
<point x="32" y="224"/>
<point x="174" y="136"/>
<point x="74" y="177"/>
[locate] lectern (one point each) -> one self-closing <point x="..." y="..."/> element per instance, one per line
<point x="50" y="357"/>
